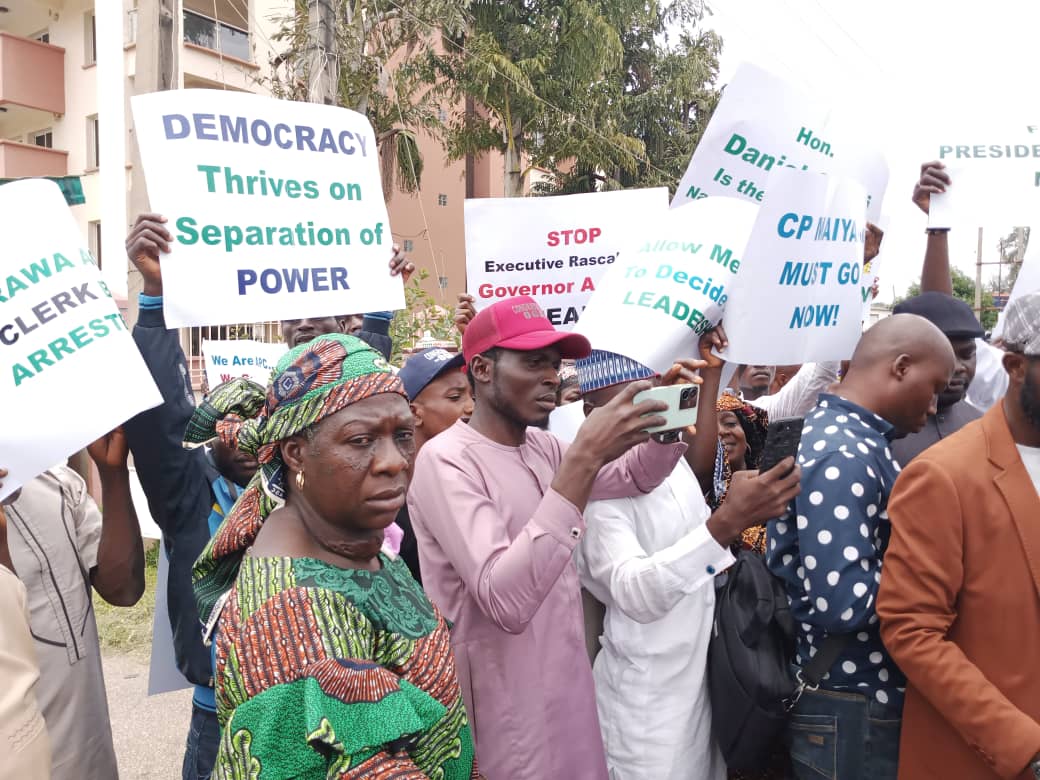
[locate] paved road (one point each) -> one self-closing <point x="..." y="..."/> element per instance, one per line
<point x="149" y="731"/>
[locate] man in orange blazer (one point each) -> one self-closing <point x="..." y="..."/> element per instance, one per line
<point x="960" y="593"/>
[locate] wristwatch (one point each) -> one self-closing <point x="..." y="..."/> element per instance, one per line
<point x="1035" y="766"/>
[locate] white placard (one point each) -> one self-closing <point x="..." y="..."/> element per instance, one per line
<point x="994" y="177"/>
<point x="163" y="674"/>
<point x="763" y="123"/>
<point x="554" y="249"/>
<point x="71" y="371"/>
<point x="799" y="299"/>
<point x="275" y="207"/>
<point x="240" y="358"/>
<point x="672" y="284"/>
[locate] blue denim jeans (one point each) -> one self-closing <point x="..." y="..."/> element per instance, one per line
<point x="203" y="739"/>
<point x="843" y="736"/>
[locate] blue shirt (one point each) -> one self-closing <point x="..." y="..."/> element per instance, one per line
<point x="828" y="548"/>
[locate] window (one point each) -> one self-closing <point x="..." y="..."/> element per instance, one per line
<point x="220" y="25"/>
<point x="93" y="143"/>
<point x="44" y="36"/>
<point x="443" y="282"/>
<point x="442" y="115"/>
<point x="94" y="240"/>
<point x="442" y="200"/>
<point x="89" y="38"/>
<point x="44" y="138"/>
<point x="409" y="245"/>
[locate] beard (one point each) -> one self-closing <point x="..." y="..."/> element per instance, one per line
<point x="511" y="413"/>
<point x="1029" y="398"/>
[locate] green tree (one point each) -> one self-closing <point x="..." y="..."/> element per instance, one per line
<point x="1007" y="246"/>
<point x="663" y="95"/>
<point x="539" y="74"/>
<point x="963" y="288"/>
<point x="397" y="100"/>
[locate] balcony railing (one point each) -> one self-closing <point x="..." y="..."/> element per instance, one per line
<point x="32" y="74"/>
<point x="18" y="161"/>
<point x="215" y="35"/>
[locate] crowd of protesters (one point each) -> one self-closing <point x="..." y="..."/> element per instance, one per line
<point x="381" y="572"/>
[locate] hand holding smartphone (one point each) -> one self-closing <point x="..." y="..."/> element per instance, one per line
<point x="782" y="441"/>
<point x="682" y="406"/>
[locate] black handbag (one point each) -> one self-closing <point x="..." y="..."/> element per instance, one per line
<point x="751" y="677"/>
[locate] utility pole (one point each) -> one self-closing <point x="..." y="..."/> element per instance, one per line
<point x="323" y="60"/>
<point x="158" y="43"/>
<point x="978" y="278"/>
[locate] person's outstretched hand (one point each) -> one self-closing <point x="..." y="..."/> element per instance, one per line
<point x="934" y="179"/>
<point x="464" y="312"/>
<point x="110" y="452"/>
<point x="401" y="265"/>
<point x="148" y="238"/>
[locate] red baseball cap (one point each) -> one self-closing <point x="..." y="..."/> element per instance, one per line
<point x="519" y="323"/>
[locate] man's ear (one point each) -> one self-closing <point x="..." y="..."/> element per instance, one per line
<point x="1015" y="365"/>
<point x="416" y="413"/>
<point x="901" y="366"/>
<point x="481" y="368"/>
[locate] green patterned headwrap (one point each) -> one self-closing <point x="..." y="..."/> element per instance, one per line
<point x="311" y="382"/>
<point x="224" y="411"/>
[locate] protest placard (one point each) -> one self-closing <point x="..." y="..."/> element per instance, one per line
<point x="240" y="358"/>
<point x="276" y="208"/>
<point x="71" y="371"/>
<point x="553" y="249"/>
<point x="672" y="284"/>
<point x="799" y="297"/>
<point x="763" y="122"/>
<point x="994" y="177"/>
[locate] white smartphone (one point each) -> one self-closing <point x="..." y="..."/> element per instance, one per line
<point x="682" y="406"/>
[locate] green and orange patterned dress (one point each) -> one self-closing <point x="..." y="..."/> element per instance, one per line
<point x="325" y="672"/>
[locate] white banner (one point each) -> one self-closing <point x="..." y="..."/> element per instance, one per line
<point x="994" y="178"/>
<point x="240" y="358"/>
<point x="554" y="249"/>
<point x="763" y="123"/>
<point x="800" y="298"/>
<point x="672" y="284"/>
<point x="71" y="371"/>
<point x="275" y="207"/>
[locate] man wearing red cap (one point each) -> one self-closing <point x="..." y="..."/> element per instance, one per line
<point x="497" y="509"/>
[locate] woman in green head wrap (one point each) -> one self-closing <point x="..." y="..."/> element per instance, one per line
<point x="330" y="660"/>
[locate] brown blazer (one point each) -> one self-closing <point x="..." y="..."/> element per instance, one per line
<point x="959" y="604"/>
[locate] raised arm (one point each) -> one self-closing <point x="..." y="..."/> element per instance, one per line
<point x="935" y="274"/>
<point x="118" y="575"/>
<point x="703" y="447"/>
<point x="173" y="477"/>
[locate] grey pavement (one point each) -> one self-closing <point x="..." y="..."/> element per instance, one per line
<point x="149" y="731"/>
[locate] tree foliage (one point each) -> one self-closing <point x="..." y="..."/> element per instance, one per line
<point x="369" y="35"/>
<point x="588" y="90"/>
<point x="421" y="315"/>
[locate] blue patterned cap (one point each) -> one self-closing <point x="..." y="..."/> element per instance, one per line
<point x="603" y="369"/>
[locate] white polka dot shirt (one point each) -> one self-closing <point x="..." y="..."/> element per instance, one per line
<point x="828" y="548"/>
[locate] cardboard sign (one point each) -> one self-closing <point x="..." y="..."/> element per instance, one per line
<point x="673" y="283"/>
<point x="553" y="249"/>
<point x="240" y="358"/>
<point x="994" y="177"/>
<point x="71" y="371"/>
<point x="799" y="298"/>
<point x="763" y="123"/>
<point x="276" y="208"/>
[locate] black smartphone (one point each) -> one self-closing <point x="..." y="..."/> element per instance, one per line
<point x="782" y="440"/>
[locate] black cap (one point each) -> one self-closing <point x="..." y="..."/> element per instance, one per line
<point x="951" y="315"/>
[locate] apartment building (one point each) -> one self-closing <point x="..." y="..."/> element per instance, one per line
<point x="67" y="70"/>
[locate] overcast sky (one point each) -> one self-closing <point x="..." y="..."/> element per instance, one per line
<point x="913" y="71"/>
